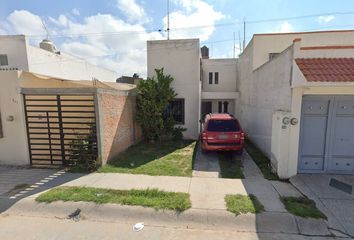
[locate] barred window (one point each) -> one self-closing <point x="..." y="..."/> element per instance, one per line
<point x="176" y="108"/>
<point x="3" y="60"/>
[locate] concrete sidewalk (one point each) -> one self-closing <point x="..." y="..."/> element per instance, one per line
<point x="207" y="197"/>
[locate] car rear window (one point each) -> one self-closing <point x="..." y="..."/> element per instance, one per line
<point x="223" y="126"/>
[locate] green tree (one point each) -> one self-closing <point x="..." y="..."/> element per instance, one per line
<point x="154" y="95"/>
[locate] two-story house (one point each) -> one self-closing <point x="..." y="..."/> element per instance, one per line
<point x="293" y="93"/>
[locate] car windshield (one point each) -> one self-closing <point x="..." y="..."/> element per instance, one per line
<point x="223" y="126"/>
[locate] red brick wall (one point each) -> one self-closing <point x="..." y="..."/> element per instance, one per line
<point x="118" y="129"/>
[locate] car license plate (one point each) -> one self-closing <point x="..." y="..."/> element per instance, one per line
<point x="222" y="136"/>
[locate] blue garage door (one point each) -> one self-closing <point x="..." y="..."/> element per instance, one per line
<point x="327" y="134"/>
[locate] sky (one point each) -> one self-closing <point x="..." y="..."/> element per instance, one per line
<point x="113" y="33"/>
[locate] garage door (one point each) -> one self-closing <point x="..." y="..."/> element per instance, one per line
<point x="327" y="134"/>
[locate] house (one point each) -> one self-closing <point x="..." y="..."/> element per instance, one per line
<point x="293" y="93"/>
<point x="203" y="85"/>
<point x="16" y="53"/>
<point x="43" y="116"/>
<point x="297" y="100"/>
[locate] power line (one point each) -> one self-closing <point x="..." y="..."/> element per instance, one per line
<point x="191" y="27"/>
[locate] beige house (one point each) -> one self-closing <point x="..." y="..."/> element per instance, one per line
<point x="42" y="117"/>
<point x="293" y="93"/>
<point x="51" y="101"/>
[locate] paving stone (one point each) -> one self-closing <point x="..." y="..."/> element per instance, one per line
<point x="286" y="189"/>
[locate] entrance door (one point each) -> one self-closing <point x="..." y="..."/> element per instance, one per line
<point x="206" y="109"/>
<point x="327" y="134"/>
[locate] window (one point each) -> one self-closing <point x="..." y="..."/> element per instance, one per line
<point x="226" y="106"/>
<point x="272" y="55"/>
<point x="176" y="108"/>
<point x="216" y="78"/>
<point x="210" y="78"/>
<point x="1" y="133"/>
<point x="220" y="107"/>
<point x="3" y="60"/>
<point x="223" y="126"/>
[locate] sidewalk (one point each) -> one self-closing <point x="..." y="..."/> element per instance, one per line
<point x="207" y="196"/>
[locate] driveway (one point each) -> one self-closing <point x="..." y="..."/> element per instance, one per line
<point x="206" y="165"/>
<point x="333" y="194"/>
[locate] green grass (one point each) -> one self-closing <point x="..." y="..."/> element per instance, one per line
<point x="230" y="166"/>
<point x="169" y="158"/>
<point x="261" y="160"/>
<point x="148" y="198"/>
<point x="303" y="207"/>
<point x="241" y="204"/>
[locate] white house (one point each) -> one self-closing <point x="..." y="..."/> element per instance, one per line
<point x="293" y="93"/>
<point x="17" y="53"/>
<point x="203" y="85"/>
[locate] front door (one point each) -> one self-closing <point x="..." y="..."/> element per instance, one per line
<point x="206" y="109"/>
<point x="327" y="134"/>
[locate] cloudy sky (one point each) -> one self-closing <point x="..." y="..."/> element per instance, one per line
<point x="113" y="33"/>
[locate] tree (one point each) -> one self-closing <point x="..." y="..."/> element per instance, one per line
<point x="153" y="99"/>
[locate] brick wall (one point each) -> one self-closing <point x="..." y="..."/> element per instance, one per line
<point x="118" y="129"/>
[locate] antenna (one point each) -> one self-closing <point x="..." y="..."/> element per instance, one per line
<point x="244" y="33"/>
<point x="234" y="45"/>
<point x="168" y="20"/>
<point x="239" y="39"/>
<point x="45" y="28"/>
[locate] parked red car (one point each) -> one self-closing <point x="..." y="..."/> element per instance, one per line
<point x="222" y="132"/>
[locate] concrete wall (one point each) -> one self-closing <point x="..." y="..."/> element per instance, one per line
<point x="276" y="43"/>
<point x="180" y="59"/>
<point x="118" y="129"/>
<point x="15" y="49"/>
<point x="65" y="66"/>
<point x="264" y="91"/>
<point x="23" y="56"/>
<point x="13" y="144"/>
<point x="227" y="74"/>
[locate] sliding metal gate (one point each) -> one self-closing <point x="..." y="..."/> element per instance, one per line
<point x="60" y="128"/>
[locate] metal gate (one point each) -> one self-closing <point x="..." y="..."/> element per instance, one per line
<point x="327" y="134"/>
<point x="60" y="128"/>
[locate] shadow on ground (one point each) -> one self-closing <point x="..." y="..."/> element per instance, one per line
<point x="17" y="183"/>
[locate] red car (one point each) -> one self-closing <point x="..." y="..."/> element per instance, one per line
<point x="222" y="132"/>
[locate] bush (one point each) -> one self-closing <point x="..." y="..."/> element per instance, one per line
<point x="154" y="96"/>
<point x="83" y="154"/>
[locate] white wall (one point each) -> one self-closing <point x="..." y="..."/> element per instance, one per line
<point x="227" y="74"/>
<point x="264" y="91"/>
<point x="65" y="66"/>
<point x="276" y="43"/>
<point x="23" y="56"/>
<point x="15" y="49"/>
<point x="180" y="59"/>
<point x="13" y="145"/>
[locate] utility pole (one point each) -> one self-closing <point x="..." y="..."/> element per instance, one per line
<point x="244" y="33"/>
<point x="168" y="20"/>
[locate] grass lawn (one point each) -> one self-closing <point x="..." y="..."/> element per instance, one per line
<point x="169" y="158"/>
<point x="303" y="207"/>
<point x="261" y="160"/>
<point x="148" y="198"/>
<point x="230" y="167"/>
<point x="239" y="204"/>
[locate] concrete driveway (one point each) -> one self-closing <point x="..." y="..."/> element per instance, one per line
<point x="333" y="194"/>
